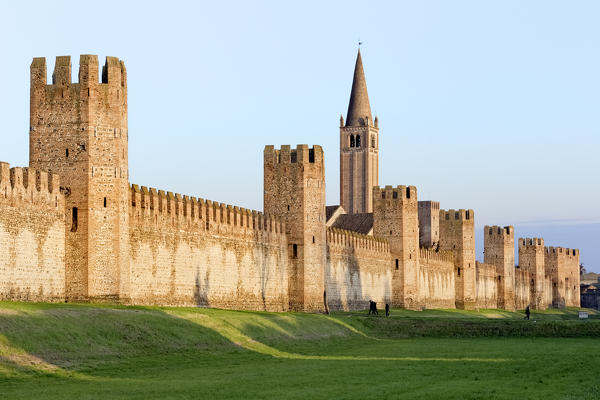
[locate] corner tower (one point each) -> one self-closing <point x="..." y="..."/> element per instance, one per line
<point x="359" y="148"/>
<point x="499" y="250"/>
<point x="295" y="191"/>
<point x="79" y="131"/>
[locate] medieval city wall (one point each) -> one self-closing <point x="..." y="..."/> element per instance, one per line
<point x="188" y="251"/>
<point x="523" y="289"/>
<point x="32" y="235"/>
<point x="487" y="285"/>
<point x="562" y="265"/>
<point x="359" y="269"/>
<point x="435" y="281"/>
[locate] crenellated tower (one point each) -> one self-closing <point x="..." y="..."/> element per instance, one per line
<point x="359" y="148"/>
<point x="531" y="260"/>
<point x="499" y="250"/>
<point x="395" y="218"/>
<point x="294" y="190"/>
<point x="457" y="234"/>
<point x="79" y="130"/>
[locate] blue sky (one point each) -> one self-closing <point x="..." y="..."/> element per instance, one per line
<point x="492" y="105"/>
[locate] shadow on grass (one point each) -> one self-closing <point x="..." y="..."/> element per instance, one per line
<point x="76" y="341"/>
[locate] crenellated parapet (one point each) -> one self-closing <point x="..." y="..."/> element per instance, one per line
<point x="342" y="239"/>
<point x="28" y="186"/>
<point x="567" y="252"/>
<point x="166" y="209"/>
<point x="400" y="194"/>
<point x="302" y="154"/>
<point x="426" y="255"/>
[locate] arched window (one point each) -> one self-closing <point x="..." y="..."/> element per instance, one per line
<point x="351" y="140"/>
<point x="357" y="140"/>
<point x="373" y="142"/>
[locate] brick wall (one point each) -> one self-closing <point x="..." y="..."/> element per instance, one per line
<point x="32" y="235"/>
<point x="187" y="251"/>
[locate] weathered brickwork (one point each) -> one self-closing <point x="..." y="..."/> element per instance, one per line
<point x="457" y="234"/>
<point x="499" y="250"/>
<point x="94" y="237"/>
<point x="436" y="280"/>
<point x="429" y="224"/>
<point x="487" y="285"/>
<point x="359" y="269"/>
<point x="395" y="218"/>
<point x="32" y="235"/>
<point x="531" y="263"/>
<point x="188" y="251"/>
<point x="294" y="190"/>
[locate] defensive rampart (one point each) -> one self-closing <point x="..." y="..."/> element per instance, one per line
<point x="487" y="285"/>
<point x="436" y="279"/>
<point x="359" y="269"/>
<point x="32" y="235"/>
<point x="188" y="251"/>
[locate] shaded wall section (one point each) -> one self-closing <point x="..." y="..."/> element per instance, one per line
<point x="187" y="251"/>
<point x="359" y="269"/>
<point x="436" y="279"/>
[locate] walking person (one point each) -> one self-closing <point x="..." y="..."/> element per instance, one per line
<point x="527" y="312"/>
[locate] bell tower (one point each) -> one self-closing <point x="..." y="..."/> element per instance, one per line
<point x="359" y="148"/>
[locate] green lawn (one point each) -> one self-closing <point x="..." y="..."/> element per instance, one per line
<point x="63" y="351"/>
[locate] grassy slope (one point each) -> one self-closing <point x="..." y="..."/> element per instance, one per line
<point x="90" y="351"/>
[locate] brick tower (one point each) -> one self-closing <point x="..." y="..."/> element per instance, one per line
<point x="359" y="148"/>
<point x="395" y="218"/>
<point x="499" y="250"/>
<point x="295" y="191"/>
<point x="79" y="130"/>
<point x="457" y="234"/>
<point x="531" y="260"/>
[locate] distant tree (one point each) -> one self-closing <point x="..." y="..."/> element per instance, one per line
<point x="582" y="269"/>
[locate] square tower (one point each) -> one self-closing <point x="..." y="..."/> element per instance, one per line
<point x="395" y="218"/>
<point x="294" y="190"/>
<point x="531" y="260"/>
<point x="429" y="223"/>
<point x="457" y="234"/>
<point x="79" y="131"/>
<point x="499" y="250"/>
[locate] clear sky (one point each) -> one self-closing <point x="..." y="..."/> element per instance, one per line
<point x="489" y="105"/>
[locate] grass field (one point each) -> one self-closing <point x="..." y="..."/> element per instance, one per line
<point x="67" y="351"/>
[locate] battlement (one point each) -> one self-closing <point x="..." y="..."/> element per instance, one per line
<point x="158" y="206"/>
<point x="457" y="215"/>
<point x="533" y="243"/>
<point x="399" y="193"/>
<point x="559" y="251"/>
<point x="434" y="206"/>
<point x="27" y="185"/>
<point x="113" y="72"/>
<point x="353" y="240"/>
<point x="442" y="256"/>
<point x="497" y="231"/>
<point x="302" y="154"/>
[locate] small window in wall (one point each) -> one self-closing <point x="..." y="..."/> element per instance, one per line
<point x="499" y="278"/>
<point x="67" y="153"/>
<point x="397" y="266"/>
<point x="532" y="282"/>
<point x="74" y="219"/>
<point x="313" y="239"/>
<point x="295" y="250"/>
<point x="105" y="202"/>
<point x="458" y="271"/>
<point x="288" y="207"/>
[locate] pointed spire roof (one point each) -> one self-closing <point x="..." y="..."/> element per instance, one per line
<point x="359" y="107"/>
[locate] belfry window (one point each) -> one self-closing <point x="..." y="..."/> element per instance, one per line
<point x="351" y="140"/>
<point x="373" y="142"/>
<point x="357" y="140"/>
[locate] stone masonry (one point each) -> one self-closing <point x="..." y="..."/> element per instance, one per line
<point x="73" y="228"/>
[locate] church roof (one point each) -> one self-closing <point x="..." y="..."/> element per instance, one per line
<point x="358" y="108"/>
<point x="361" y="223"/>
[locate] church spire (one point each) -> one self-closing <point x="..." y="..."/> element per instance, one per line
<point x="359" y="108"/>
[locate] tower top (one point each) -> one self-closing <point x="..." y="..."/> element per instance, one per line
<point x="359" y="109"/>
